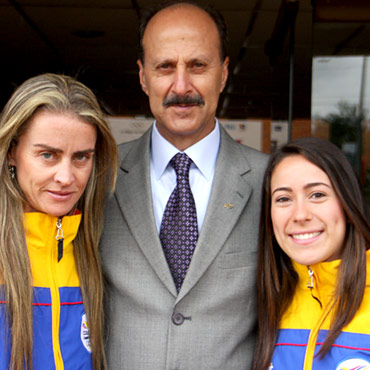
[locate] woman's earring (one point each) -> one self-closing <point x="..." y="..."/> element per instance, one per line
<point x="11" y="170"/>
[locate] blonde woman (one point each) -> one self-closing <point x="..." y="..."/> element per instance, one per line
<point x="58" y="161"/>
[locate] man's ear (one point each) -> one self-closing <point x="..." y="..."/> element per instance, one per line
<point x="225" y="73"/>
<point x="142" y="76"/>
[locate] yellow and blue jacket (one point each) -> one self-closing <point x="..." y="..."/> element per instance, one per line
<point x="60" y="330"/>
<point x="304" y="325"/>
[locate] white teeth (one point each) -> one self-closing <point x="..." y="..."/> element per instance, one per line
<point x="305" y="236"/>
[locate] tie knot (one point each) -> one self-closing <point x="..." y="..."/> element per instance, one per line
<point x="181" y="164"/>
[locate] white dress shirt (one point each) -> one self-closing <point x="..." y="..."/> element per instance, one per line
<point x="202" y="170"/>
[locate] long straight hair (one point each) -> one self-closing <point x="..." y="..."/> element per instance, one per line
<point x="277" y="279"/>
<point x="62" y="95"/>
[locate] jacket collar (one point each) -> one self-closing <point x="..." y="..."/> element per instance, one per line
<point x="40" y="228"/>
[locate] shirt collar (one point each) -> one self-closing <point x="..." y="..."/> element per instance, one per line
<point x="162" y="151"/>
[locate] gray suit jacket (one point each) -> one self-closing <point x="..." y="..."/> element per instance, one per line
<point x="211" y="323"/>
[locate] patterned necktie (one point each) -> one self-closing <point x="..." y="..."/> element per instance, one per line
<point x="179" y="227"/>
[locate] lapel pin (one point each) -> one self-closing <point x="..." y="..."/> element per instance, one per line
<point x="228" y="205"/>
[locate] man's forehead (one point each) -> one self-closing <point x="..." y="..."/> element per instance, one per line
<point x="180" y="23"/>
<point x="180" y="9"/>
<point x="179" y="14"/>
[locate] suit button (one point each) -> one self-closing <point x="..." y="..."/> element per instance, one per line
<point x="177" y="318"/>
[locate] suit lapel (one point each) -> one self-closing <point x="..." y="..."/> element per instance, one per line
<point x="230" y="193"/>
<point x="133" y="193"/>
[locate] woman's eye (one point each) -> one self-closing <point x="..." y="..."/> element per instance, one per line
<point x="83" y="157"/>
<point x="282" y="199"/>
<point x="317" y="195"/>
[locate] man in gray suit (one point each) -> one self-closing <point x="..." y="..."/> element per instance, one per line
<point x="207" y="321"/>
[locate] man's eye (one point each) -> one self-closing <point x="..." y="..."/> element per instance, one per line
<point x="47" y="155"/>
<point x="164" y="66"/>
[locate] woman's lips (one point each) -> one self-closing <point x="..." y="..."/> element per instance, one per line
<point x="60" y="195"/>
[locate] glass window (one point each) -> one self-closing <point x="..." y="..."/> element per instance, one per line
<point x="340" y="102"/>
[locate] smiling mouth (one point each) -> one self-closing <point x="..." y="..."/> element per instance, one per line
<point x="305" y="236"/>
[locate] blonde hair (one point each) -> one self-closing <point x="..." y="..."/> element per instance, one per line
<point x="57" y="94"/>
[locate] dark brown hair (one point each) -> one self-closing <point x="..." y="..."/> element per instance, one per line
<point x="277" y="279"/>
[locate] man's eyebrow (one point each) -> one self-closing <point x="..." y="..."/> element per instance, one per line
<point x="165" y="60"/>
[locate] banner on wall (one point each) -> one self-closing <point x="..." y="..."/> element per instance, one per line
<point x="127" y="129"/>
<point x="279" y="134"/>
<point x="130" y="128"/>
<point x="245" y="132"/>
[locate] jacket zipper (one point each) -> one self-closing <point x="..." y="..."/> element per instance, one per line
<point x="55" y="297"/>
<point x="311" y="344"/>
<point x="60" y="238"/>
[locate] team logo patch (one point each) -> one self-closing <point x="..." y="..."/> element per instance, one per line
<point x="354" y="364"/>
<point x="85" y="333"/>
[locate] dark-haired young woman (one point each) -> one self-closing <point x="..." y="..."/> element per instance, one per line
<point x="314" y="263"/>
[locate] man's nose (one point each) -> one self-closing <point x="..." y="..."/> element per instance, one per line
<point x="182" y="82"/>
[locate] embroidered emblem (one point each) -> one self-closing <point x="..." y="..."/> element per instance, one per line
<point x="228" y="205"/>
<point x="353" y="364"/>
<point x="85" y="333"/>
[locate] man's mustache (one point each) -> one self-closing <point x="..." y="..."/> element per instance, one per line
<point x="178" y="100"/>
